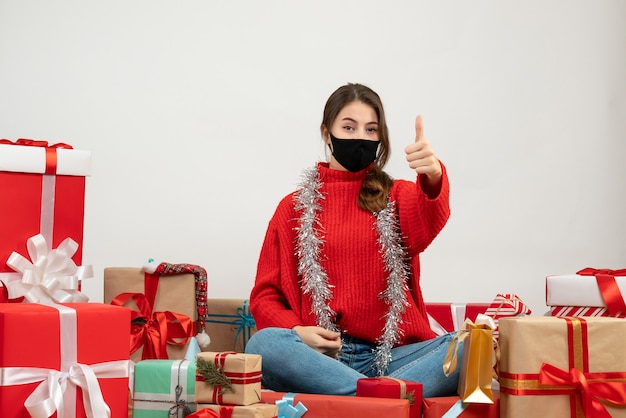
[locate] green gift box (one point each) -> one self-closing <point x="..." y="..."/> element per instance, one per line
<point x="164" y="388"/>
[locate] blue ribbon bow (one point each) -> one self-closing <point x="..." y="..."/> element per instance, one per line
<point x="286" y="408"/>
<point x="243" y="320"/>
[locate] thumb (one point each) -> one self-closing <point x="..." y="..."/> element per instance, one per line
<point x="419" y="128"/>
<point x="329" y="335"/>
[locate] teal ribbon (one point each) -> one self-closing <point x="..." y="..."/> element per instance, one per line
<point x="455" y="410"/>
<point x="286" y="408"/>
<point x="243" y="320"/>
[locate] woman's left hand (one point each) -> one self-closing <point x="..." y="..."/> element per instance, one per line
<point x="421" y="156"/>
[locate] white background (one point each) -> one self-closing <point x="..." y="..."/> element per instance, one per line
<point x="201" y="115"/>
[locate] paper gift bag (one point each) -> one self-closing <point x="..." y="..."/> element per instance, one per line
<point x="476" y="370"/>
<point x="562" y="367"/>
<point x="257" y="410"/>
<point x="390" y="387"/>
<point x="228" y="378"/>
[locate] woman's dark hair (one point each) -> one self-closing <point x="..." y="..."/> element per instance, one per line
<point x="377" y="184"/>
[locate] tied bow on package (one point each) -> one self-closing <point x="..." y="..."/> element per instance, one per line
<point x="49" y="276"/>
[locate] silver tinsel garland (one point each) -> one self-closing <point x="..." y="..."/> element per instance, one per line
<point x="309" y="242"/>
<point x="308" y="248"/>
<point x="394" y="257"/>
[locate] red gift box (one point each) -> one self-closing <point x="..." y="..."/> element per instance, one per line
<point x="450" y="317"/>
<point x="389" y="387"/>
<point x="58" y="350"/>
<point x="439" y="406"/>
<point x="42" y="191"/>
<point x="324" y="406"/>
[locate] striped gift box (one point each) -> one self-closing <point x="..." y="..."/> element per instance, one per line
<point x="575" y="311"/>
<point x="506" y="305"/>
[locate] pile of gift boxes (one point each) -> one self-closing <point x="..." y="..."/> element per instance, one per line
<point x="158" y="347"/>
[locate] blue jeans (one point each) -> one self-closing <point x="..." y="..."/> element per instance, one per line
<point x="289" y="365"/>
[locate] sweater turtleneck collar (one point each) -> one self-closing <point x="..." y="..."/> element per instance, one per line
<point x="329" y="175"/>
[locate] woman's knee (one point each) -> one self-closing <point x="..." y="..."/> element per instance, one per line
<point x="269" y="340"/>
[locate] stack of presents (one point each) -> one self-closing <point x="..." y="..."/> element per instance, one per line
<point x="145" y="352"/>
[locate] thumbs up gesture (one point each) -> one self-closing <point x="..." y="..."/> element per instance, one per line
<point x="421" y="156"/>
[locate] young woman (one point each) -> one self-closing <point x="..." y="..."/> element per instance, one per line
<point x="337" y="294"/>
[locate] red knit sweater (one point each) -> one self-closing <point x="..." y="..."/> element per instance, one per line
<point x="350" y="257"/>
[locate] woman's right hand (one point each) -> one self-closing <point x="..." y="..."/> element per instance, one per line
<point x="320" y="339"/>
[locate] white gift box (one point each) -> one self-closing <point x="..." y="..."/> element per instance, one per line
<point x="577" y="290"/>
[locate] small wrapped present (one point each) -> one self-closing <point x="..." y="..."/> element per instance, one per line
<point x="562" y="367"/>
<point x="42" y="191"/>
<point x="390" y="387"/>
<point x="452" y="406"/>
<point x="257" y="410"/>
<point x="82" y="369"/>
<point x="589" y="287"/>
<point x="229" y="323"/>
<point x="505" y="305"/>
<point x="450" y="317"/>
<point x="228" y="378"/>
<point x="166" y="297"/>
<point x="164" y="388"/>
<point x="476" y="371"/>
<point x="324" y="406"/>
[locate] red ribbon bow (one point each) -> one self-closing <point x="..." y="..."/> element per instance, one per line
<point x="35" y="143"/>
<point x="609" y="289"/>
<point x="204" y="413"/>
<point x="591" y="386"/>
<point x="51" y="150"/>
<point x="158" y="330"/>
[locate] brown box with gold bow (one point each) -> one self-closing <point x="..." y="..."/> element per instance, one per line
<point x="562" y="367"/>
<point x="228" y="378"/>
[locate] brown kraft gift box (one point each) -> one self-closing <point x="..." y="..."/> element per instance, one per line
<point x="562" y="367"/>
<point x="229" y="324"/>
<point x="228" y="378"/>
<point x="175" y="293"/>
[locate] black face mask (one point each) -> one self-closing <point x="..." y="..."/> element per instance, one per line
<point x="354" y="154"/>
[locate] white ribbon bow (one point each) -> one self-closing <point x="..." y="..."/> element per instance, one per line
<point x="48" y="396"/>
<point x="49" y="277"/>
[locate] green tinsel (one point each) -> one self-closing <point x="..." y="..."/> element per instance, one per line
<point x="213" y="375"/>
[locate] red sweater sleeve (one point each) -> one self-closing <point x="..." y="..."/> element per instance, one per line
<point x="421" y="218"/>
<point x="273" y="289"/>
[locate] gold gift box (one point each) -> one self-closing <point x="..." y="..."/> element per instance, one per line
<point x="175" y="293"/>
<point x="243" y="372"/>
<point x="532" y="348"/>
<point x="259" y="410"/>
